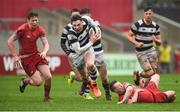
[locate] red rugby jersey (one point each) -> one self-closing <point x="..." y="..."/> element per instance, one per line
<point x="27" y="38"/>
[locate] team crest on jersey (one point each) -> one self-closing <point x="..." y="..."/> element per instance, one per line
<point x="80" y="37"/>
<point x="28" y="36"/>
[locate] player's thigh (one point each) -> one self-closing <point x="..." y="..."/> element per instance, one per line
<point x="145" y="64"/>
<point x="155" y="78"/>
<point x="89" y="58"/>
<point x="102" y="72"/>
<point x="153" y="59"/>
<point x="99" y="59"/>
<point x="74" y="68"/>
<point x="45" y="71"/>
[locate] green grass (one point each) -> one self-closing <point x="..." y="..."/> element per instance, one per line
<point x="67" y="98"/>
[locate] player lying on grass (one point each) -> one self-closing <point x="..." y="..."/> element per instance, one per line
<point x="150" y="94"/>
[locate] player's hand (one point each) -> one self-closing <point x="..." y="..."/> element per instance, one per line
<point x="70" y="56"/>
<point x="94" y="38"/>
<point x="139" y="44"/>
<point x="156" y="40"/>
<point x="119" y="102"/>
<point x="43" y="54"/>
<point x="17" y="61"/>
<point x="98" y="34"/>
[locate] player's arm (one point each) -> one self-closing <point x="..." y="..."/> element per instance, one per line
<point x="76" y="46"/>
<point x="135" y="96"/>
<point x="94" y="24"/>
<point x="46" y="46"/>
<point x="63" y="42"/>
<point x="11" y="46"/>
<point x="157" y="39"/>
<point x="131" y="37"/>
<point x="90" y="21"/>
<point x="127" y="94"/>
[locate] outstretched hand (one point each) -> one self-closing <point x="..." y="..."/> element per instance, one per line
<point x="43" y="54"/>
<point x="17" y="62"/>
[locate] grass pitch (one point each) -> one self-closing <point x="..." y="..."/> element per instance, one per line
<point x="67" y="98"/>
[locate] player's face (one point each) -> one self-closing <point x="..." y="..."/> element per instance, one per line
<point x="118" y="88"/>
<point x="77" y="26"/>
<point x="33" y="22"/>
<point x="148" y="15"/>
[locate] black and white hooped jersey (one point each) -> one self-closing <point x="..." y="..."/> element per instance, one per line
<point x="82" y="37"/>
<point x="143" y="33"/>
<point x="97" y="46"/>
<point x="64" y="43"/>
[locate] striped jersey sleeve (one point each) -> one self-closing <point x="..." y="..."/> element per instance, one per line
<point x="64" y="43"/>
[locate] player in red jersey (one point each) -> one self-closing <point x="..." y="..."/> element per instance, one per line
<point x="150" y="94"/>
<point x="33" y="61"/>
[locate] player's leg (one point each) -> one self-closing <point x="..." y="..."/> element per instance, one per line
<point x="171" y="95"/>
<point x="102" y="69"/>
<point x="89" y="60"/>
<point x="143" y="82"/>
<point x="154" y="61"/>
<point x="155" y="78"/>
<point x="45" y="71"/>
<point x="77" y="75"/>
<point x="34" y="79"/>
<point x="105" y="81"/>
<point x="147" y="72"/>
<point x="85" y="81"/>
<point x="73" y="75"/>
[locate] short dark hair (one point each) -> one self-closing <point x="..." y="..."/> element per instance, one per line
<point x="85" y="11"/>
<point x="148" y="8"/>
<point x="75" y="10"/>
<point x="75" y="18"/>
<point x="32" y="14"/>
<point x="111" y="85"/>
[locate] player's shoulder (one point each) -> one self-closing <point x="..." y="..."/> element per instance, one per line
<point x="139" y="22"/>
<point x="85" y="21"/>
<point x="22" y="27"/>
<point x="126" y="84"/>
<point x="68" y="26"/>
<point x="71" y="32"/>
<point x="41" y="28"/>
<point x="155" y="24"/>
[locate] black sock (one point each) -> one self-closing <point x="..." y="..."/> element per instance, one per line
<point x="106" y="87"/>
<point x="93" y="74"/>
<point x="85" y="87"/>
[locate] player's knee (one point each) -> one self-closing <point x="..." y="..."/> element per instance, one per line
<point x="37" y="82"/>
<point x="150" y="72"/>
<point x="172" y="96"/>
<point x="173" y="93"/>
<point x="78" y="77"/>
<point x="48" y="76"/>
<point x="90" y="66"/>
